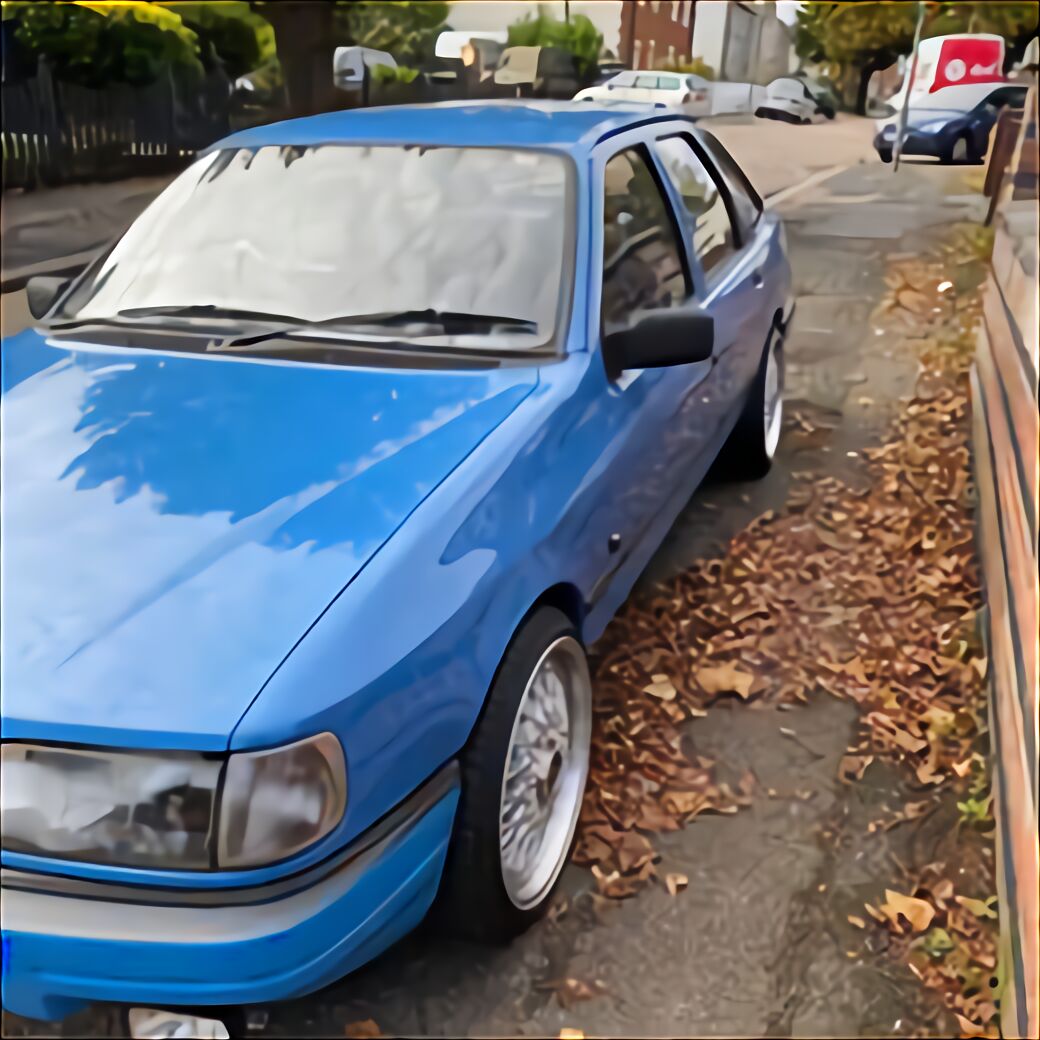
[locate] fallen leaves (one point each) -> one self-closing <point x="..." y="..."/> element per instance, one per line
<point x="917" y="912"/>
<point x="866" y="589"/>
<point x="675" y="883"/>
<point x="724" y="679"/>
<point x="363" y="1030"/>
<point x="570" y="991"/>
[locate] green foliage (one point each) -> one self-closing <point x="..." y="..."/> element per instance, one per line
<point x="230" y="34"/>
<point x="98" y="44"/>
<point x="408" y="29"/>
<point x="937" y="943"/>
<point x="861" y="33"/>
<point x="389" y="74"/>
<point x="690" y="66"/>
<point x="579" y="36"/>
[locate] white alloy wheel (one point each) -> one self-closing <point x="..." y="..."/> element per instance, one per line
<point x="547" y="763"/>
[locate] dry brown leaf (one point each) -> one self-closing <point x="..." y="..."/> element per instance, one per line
<point x="917" y="912"/>
<point x="366" y="1029"/>
<point x="852" y="767"/>
<point x="675" y="883"/>
<point x="969" y="1028"/>
<point x="726" y="678"/>
<point x="661" y="687"/>
<point x="567" y="1033"/>
<point x="856" y="922"/>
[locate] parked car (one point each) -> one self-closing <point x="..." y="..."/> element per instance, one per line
<point x="953" y="123"/>
<point x="544" y="72"/>
<point x="317" y="484"/>
<point x="681" y="92"/>
<point x="789" y="99"/>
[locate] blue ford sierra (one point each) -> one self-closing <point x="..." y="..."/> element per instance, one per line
<point x="316" y="485"/>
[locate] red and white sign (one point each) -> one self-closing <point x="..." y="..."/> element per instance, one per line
<point x="965" y="60"/>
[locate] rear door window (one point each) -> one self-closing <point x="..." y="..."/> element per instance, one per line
<point x="712" y="230"/>
<point x="646" y="82"/>
<point x="667" y="82"/>
<point x="747" y="203"/>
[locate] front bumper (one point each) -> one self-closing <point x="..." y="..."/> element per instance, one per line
<point x="67" y="943"/>
<point x="914" y="143"/>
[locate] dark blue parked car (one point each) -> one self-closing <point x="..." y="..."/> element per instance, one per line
<point x="316" y="486"/>
<point x="952" y="135"/>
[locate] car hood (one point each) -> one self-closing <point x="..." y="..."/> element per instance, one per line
<point x="916" y="118"/>
<point x="173" y="523"/>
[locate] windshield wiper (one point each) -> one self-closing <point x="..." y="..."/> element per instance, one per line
<point x="133" y="314"/>
<point x="451" y="322"/>
<point x="209" y="310"/>
<point x="430" y="316"/>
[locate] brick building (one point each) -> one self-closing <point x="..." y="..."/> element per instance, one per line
<point x="653" y="33"/>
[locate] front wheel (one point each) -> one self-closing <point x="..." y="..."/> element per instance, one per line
<point x="748" y="453"/>
<point x="523" y="777"/>
<point x="958" y="151"/>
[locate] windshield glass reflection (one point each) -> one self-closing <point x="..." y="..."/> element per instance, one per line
<point x="451" y="246"/>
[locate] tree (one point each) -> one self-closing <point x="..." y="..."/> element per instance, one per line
<point x="862" y="37"/>
<point x="578" y="35"/>
<point x="406" y="29"/>
<point x="99" y="43"/>
<point x="231" y="35"/>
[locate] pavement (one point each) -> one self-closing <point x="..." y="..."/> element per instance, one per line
<point x="758" y="944"/>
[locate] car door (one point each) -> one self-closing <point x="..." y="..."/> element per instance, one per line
<point x="644" y="89"/>
<point x="730" y="258"/>
<point x="645" y="466"/>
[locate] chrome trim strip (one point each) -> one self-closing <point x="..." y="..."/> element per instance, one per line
<point x="367" y="845"/>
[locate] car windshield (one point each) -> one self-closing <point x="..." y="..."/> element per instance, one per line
<point x="445" y="246"/>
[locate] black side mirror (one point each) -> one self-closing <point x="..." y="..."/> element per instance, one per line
<point x="658" y="339"/>
<point x="42" y="290"/>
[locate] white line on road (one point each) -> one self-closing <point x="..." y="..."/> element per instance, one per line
<point x="815" y="178"/>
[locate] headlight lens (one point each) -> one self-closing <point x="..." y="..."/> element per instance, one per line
<point x="141" y="810"/>
<point x="278" y="802"/>
<point x="160" y="809"/>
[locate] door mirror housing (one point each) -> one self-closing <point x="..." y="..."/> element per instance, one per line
<point x="659" y="339"/>
<point x="41" y="292"/>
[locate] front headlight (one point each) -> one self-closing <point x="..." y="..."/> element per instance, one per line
<point x="277" y="802"/>
<point x="162" y="809"/>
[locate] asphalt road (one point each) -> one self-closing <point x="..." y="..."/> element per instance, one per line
<point x="757" y="944"/>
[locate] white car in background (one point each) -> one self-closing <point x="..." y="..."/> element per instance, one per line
<point x="677" y="91"/>
<point x="790" y="99"/>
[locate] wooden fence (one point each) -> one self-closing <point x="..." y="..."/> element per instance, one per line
<point x="56" y="133"/>
<point x="1005" y="432"/>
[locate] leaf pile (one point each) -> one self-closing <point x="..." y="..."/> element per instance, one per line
<point x="948" y="941"/>
<point x="868" y="592"/>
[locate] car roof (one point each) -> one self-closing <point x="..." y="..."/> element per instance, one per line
<point x="558" y="125"/>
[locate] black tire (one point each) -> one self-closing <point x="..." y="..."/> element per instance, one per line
<point x="744" y="456"/>
<point x="472" y="901"/>
<point x="885" y="155"/>
<point x="948" y="156"/>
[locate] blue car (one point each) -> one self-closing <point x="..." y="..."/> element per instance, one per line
<point x="316" y="486"/>
<point x="953" y="135"/>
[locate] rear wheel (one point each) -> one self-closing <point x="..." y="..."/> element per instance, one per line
<point x="748" y="453"/>
<point x="885" y="155"/>
<point x="958" y="151"/>
<point x="523" y="777"/>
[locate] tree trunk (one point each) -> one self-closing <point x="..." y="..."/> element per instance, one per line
<point x="864" y="85"/>
<point x="305" y="36"/>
